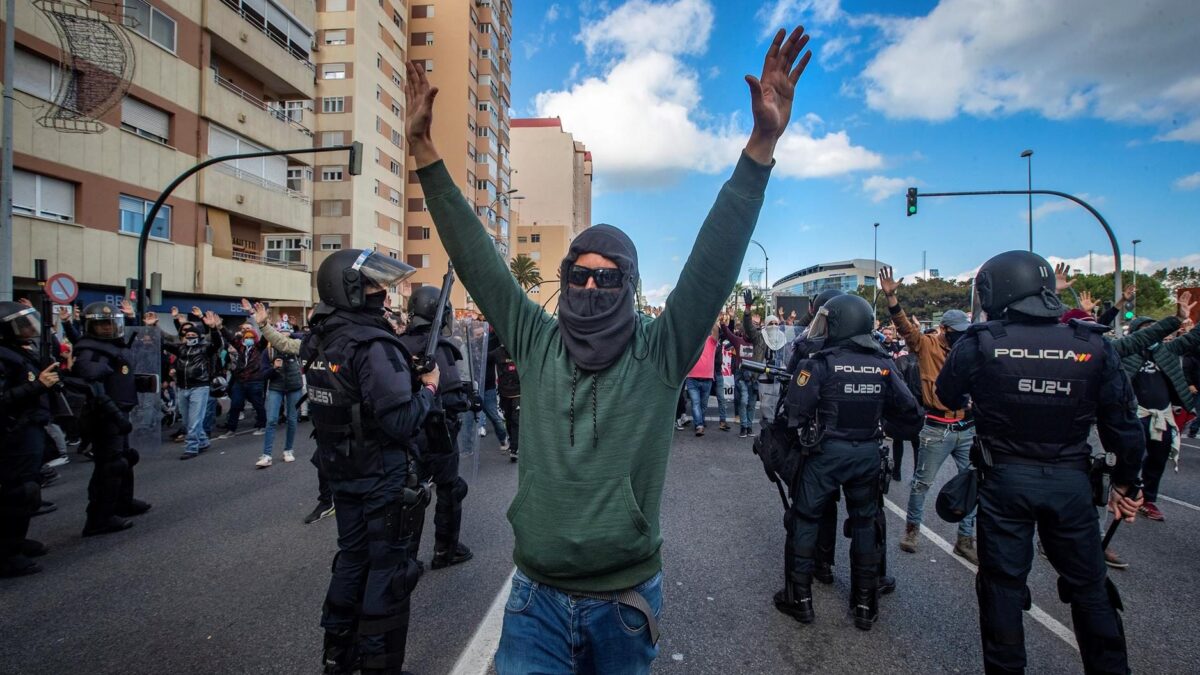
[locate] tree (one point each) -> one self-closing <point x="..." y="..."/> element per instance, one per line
<point x="526" y="272"/>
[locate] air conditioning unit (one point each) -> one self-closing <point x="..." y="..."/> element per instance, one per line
<point x="238" y="281"/>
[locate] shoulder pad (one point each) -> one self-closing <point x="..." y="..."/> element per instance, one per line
<point x="450" y="346"/>
<point x="1091" y="326"/>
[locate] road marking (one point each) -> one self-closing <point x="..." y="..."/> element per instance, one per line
<point x="1036" y="613"/>
<point x="476" y="658"/>
<point x="1180" y="502"/>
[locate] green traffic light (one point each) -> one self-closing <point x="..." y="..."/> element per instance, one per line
<point x="912" y="210"/>
<point x="1128" y="315"/>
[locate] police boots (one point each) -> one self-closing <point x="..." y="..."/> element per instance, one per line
<point x="338" y="656"/>
<point x="823" y="572"/>
<point x="105" y="525"/>
<point x="460" y="554"/>
<point x="796" y="601"/>
<point x="864" y="604"/>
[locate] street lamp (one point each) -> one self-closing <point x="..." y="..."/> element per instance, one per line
<point x="875" y="296"/>
<point x="1028" y="155"/>
<point x="1135" y="243"/>
<point x="766" y="275"/>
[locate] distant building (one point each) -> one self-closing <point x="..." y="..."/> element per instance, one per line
<point x="844" y="275"/>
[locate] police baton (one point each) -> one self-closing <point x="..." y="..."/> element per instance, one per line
<point x="426" y="362"/>
<point x="1112" y="528"/>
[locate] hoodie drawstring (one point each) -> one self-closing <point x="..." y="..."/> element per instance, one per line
<point x="595" y="386"/>
<point x="571" y="413"/>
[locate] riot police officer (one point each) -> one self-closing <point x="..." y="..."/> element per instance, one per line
<point x="836" y="400"/>
<point x="366" y="405"/>
<point x="102" y="360"/>
<point x="437" y="443"/>
<point x="1036" y="387"/>
<point x="24" y="412"/>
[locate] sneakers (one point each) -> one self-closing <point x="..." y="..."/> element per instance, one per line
<point x="189" y="455"/>
<point x="178" y="437"/>
<point x="679" y="424"/>
<point x="724" y="427"/>
<point x="700" y="430"/>
<point x="512" y="456"/>
<point x="58" y="461"/>
<point x="504" y="446"/>
<point x="460" y="554"/>
<point x="263" y="462"/>
<point x="227" y="434"/>
<point x="259" y="432"/>
<point x="482" y="431"/>
<point x="1114" y="561"/>
<point x="908" y="543"/>
<point x="323" y="510"/>
<point x="289" y="456"/>
<point x="965" y="548"/>
<point x="743" y="432"/>
<point x="1150" y="510"/>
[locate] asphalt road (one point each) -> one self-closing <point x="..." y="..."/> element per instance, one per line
<point x="223" y="577"/>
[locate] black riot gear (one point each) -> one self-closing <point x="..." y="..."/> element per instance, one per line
<point x="844" y="319"/>
<point x="422" y="307"/>
<point x="1019" y="280"/>
<point x="24" y="412"/>
<point x="348" y="276"/>
<point x="19" y="324"/>
<point x="821" y="298"/>
<point x="103" y="322"/>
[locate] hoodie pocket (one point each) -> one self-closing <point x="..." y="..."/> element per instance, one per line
<point x="566" y="528"/>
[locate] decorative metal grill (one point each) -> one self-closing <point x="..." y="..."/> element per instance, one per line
<point x="98" y="63"/>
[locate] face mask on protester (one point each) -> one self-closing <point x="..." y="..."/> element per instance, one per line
<point x="773" y="335"/>
<point x="249" y="342"/>
<point x="597" y="323"/>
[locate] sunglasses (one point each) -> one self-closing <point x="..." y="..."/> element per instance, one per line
<point x="606" y="277"/>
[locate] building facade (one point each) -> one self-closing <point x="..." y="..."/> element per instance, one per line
<point x="465" y="48"/>
<point x="845" y="275"/>
<point x="553" y="202"/>
<point x="211" y="78"/>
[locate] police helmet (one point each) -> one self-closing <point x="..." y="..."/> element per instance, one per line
<point x="1018" y="280"/>
<point x="346" y="276"/>
<point x="103" y="322"/>
<point x="423" y="305"/>
<point x="845" y="319"/>
<point x="19" y="324"/>
<point x="821" y="298"/>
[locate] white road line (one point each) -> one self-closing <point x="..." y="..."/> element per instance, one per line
<point x="1036" y="613"/>
<point x="476" y="658"/>
<point x="1180" y="502"/>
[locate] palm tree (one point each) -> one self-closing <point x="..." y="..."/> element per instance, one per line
<point x="526" y="272"/>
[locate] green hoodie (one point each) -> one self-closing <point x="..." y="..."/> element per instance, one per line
<point x="594" y="446"/>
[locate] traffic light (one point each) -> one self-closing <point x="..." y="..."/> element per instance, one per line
<point x="1128" y="314"/>
<point x="912" y="201"/>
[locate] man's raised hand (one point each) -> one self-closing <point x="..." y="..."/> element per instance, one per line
<point x="772" y="93"/>
<point x="418" y="120"/>
<point x="1061" y="282"/>
<point x="888" y="283"/>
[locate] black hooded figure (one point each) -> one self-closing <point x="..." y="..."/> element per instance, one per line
<point x="597" y="323"/>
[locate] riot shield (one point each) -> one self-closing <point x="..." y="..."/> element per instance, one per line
<point x="471" y="337"/>
<point x="145" y="350"/>
<point x="769" y="391"/>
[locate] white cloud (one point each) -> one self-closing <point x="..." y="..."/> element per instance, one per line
<point x="1119" y="61"/>
<point x="657" y="296"/>
<point x="1103" y="264"/>
<point x="787" y="13"/>
<point x="1189" y="182"/>
<point x="552" y="13"/>
<point x="879" y="188"/>
<point x="641" y="116"/>
<point x="1187" y="132"/>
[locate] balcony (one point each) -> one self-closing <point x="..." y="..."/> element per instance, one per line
<point x="251" y="275"/>
<point x="261" y="121"/>
<point x="254" y="197"/>
<point x="239" y="37"/>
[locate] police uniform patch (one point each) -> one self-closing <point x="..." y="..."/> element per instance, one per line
<point x="124" y="370"/>
<point x="30" y="376"/>
<point x="802" y="378"/>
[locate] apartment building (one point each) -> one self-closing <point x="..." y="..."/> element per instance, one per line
<point x="211" y="78"/>
<point x="553" y="177"/>
<point x="465" y="47"/>
<point x="360" y="50"/>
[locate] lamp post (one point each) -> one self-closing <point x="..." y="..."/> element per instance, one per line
<point x="875" y="296"/>
<point x="1028" y="155"/>
<point x="506" y="197"/>
<point x="1135" y="243"/>
<point x="766" y="275"/>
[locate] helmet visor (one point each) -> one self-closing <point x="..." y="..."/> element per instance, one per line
<point x="381" y="270"/>
<point x="105" y="326"/>
<point x="23" y="325"/>
<point x="819" y="328"/>
<point x="978" y="315"/>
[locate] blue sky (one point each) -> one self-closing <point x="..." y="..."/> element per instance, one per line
<point x="940" y="95"/>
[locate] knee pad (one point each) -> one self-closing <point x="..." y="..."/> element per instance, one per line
<point x="860" y="496"/>
<point x="860" y="523"/>
<point x="459" y="489"/>
<point x="405" y="578"/>
<point x="116" y="468"/>
<point x="132" y="457"/>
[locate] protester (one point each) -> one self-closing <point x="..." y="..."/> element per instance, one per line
<point x="587" y="530"/>
<point x="745" y="381"/>
<point x="248" y="368"/>
<point x="193" y="377"/>
<point x="699" y="382"/>
<point x="491" y="397"/>
<point x="508" y="387"/>
<point x="284" y="388"/>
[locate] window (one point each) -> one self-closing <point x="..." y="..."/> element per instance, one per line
<point x="428" y="63"/>
<point x="285" y="249"/>
<point x="150" y="23"/>
<point x="394" y="167"/>
<point x="331" y="172"/>
<point x="397" y="20"/>
<point x="421" y="39"/>
<point x="378" y="125"/>
<point x="133" y="214"/>
<point x="335" y="37"/>
<point x="329" y="207"/>
<point x="522" y="240"/>
<point x="36" y="76"/>
<point x="145" y="120"/>
<point x="485" y="28"/>
<point x="396" y="138"/>
<point x="535" y="255"/>
<point x="482" y="132"/>
<point x="485" y="107"/>
<point x="295" y="178"/>
<point x="333" y="104"/>
<point x="333" y="71"/>
<point x="418" y="260"/>
<point x="332" y="138"/>
<point x="335" y="5"/>
<point x="396" y="79"/>
<point x="416" y="204"/>
<point x="394" y="196"/>
<point x="378" y="60"/>
<point x="331" y="242"/>
<point x="260" y="170"/>
<point x="535" y="238"/>
<point x="425" y="234"/>
<point x="43" y="196"/>
<point x="422" y="11"/>
<point x="481" y="185"/>
<point x="396" y="109"/>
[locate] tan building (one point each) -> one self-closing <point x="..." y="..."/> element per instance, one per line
<point x="360" y="52"/>
<point x="554" y="179"/>
<point x="210" y="78"/>
<point x="464" y="46"/>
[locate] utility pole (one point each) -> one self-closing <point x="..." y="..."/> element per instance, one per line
<point x="1089" y="263"/>
<point x="924" y="272"/>
<point x="875" y="296"/>
<point x="1028" y="155"/>
<point x="6" y="163"/>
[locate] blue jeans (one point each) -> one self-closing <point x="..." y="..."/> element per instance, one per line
<point x="239" y="394"/>
<point x="193" y="403"/>
<point x="938" y="443"/>
<point x="491" y="402"/>
<point x="718" y="390"/>
<point x="747" y="392"/>
<point x="274" y="400"/>
<point x="698" y="390"/>
<point x="552" y="632"/>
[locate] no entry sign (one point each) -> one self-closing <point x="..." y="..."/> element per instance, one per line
<point x="62" y="288"/>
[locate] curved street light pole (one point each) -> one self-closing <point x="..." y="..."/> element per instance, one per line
<point x="1028" y="155"/>
<point x="766" y="276"/>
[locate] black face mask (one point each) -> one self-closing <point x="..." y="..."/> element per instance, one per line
<point x="953" y="336"/>
<point x="375" y="301"/>
<point x="597" y="324"/>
